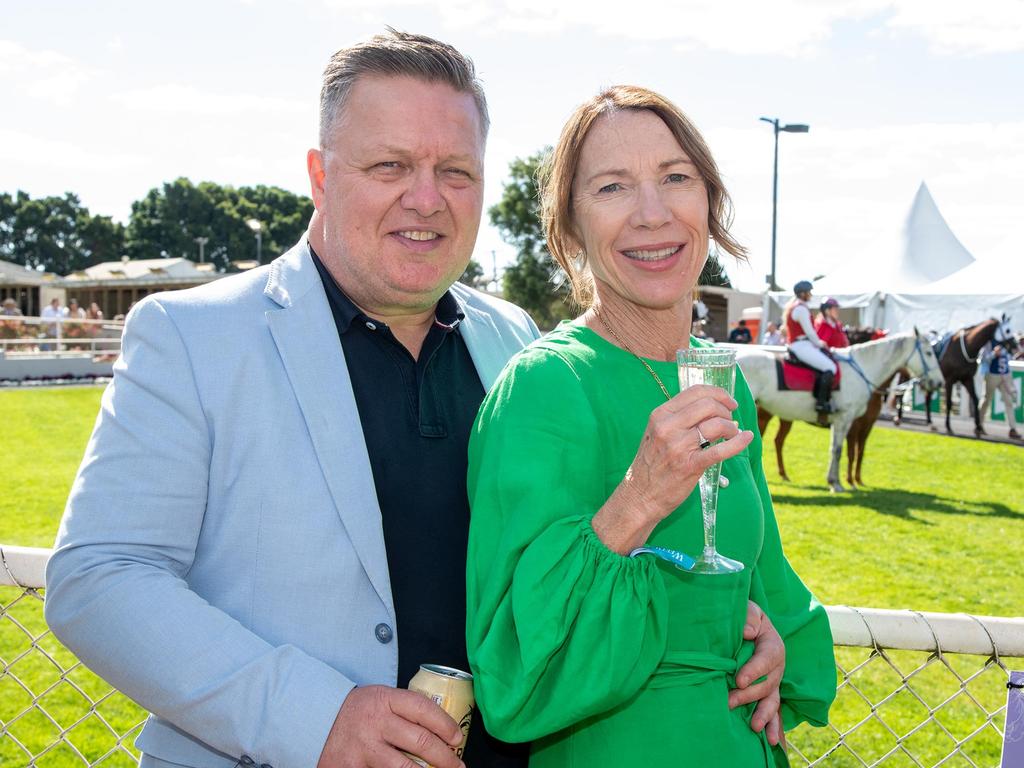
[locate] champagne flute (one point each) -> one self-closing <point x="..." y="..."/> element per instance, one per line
<point x="716" y="367"/>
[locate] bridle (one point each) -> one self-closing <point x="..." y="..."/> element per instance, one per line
<point x="919" y="348"/>
<point x="1004" y="336"/>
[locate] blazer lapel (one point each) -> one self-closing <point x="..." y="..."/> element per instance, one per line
<point x="307" y="340"/>
<point x="486" y="346"/>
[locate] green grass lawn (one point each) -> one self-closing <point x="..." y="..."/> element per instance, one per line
<point x="935" y="530"/>
<point x="938" y="529"/>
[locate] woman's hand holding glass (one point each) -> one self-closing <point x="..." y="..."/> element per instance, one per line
<point x="669" y="463"/>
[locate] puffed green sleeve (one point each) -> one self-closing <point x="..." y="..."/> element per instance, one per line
<point x="809" y="682"/>
<point x="558" y="627"/>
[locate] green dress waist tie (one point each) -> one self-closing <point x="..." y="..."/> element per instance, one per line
<point x="695" y="667"/>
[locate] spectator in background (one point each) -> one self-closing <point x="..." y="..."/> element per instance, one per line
<point x="10" y="329"/>
<point x="827" y="324"/>
<point x="740" y="334"/>
<point x="772" y="335"/>
<point x="995" y="361"/>
<point x="73" y="312"/>
<point x="95" y="314"/>
<point x="53" y="313"/>
<point x="699" y="320"/>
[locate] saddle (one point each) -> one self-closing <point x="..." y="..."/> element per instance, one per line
<point x="798" y="376"/>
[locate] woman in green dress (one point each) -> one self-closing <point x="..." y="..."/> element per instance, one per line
<point x="585" y="449"/>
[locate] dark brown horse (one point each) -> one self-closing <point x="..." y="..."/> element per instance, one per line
<point x="856" y="438"/>
<point x="958" y="360"/>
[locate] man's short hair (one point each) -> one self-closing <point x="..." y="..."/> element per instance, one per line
<point x="396" y="54"/>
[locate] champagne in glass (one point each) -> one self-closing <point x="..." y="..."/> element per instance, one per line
<point x="716" y="367"/>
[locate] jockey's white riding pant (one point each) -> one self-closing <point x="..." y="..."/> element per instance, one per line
<point x="806" y="352"/>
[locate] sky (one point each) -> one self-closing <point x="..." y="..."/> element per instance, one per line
<point x="110" y="99"/>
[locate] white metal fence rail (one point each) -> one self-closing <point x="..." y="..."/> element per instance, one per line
<point x="915" y="689"/>
<point x="30" y="335"/>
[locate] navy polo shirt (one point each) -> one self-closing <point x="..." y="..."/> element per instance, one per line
<point x="416" y="416"/>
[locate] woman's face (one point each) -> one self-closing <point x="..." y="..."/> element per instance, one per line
<point x="640" y="210"/>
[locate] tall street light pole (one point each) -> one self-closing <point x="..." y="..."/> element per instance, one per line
<point x="202" y="242"/>
<point x="257" y="226"/>
<point x="790" y="128"/>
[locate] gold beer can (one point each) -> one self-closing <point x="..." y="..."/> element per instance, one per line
<point x="452" y="690"/>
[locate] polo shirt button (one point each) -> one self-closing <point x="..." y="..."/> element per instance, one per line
<point x="371" y="326"/>
<point x="384" y="633"/>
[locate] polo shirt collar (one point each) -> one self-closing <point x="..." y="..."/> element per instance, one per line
<point x="447" y="314"/>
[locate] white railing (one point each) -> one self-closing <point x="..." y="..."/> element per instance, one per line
<point x="914" y="688"/>
<point x="58" y="336"/>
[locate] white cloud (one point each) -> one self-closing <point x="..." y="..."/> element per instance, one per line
<point x="42" y="75"/>
<point x="15" y="59"/>
<point x="21" y="151"/>
<point x="175" y="98"/>
<point x="953" y="26"/>
<point x="783" y="27"/>
<point x="789" y="28"/>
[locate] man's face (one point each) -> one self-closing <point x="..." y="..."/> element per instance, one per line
<point x="398" y="193"/>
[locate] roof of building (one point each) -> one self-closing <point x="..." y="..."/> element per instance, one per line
<point x="126" y="269"/>
<point x="16" y="274"/>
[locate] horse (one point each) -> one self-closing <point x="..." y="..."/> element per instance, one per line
<point x="958" y="361"/>
<point x="859" y="334"/>
<point x="861" y="366"/>
<point x="856" y="438"/>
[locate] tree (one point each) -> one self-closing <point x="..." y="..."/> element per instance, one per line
<point x="473" y="275"/>
<point x="57" y="234"/>
<point x="167" y="221"/>
<point x="529" y="281"/>
<point x="714" y="271"/>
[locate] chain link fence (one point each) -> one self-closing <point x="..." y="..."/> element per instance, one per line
<point x="915" y="689"/>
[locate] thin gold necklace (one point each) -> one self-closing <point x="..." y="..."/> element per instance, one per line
<point x="643" y="362"/>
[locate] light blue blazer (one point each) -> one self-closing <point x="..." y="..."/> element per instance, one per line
<point x="221" y="558"/>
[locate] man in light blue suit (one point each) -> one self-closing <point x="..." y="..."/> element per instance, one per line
<point x="267" y="533"/>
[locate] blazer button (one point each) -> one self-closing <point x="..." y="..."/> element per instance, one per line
<point x="384" y="633"/>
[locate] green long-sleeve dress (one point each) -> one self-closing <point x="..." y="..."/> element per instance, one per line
<point x="598" y="658"/>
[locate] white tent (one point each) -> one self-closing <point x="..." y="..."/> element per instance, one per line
<point x="927" y="279"/>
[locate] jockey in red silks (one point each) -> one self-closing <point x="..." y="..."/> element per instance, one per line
<point x="808" y="348"/>
<point x="827" y="324"/>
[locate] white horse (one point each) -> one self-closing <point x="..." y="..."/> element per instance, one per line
<point x="863" y="366"/>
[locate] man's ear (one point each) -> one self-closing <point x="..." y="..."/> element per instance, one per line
<point x="315" y="169"/>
